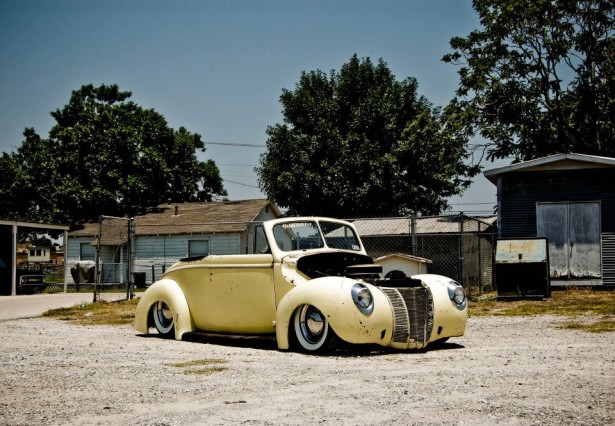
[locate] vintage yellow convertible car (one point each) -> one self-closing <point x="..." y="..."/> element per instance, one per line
<point x="309" y="284"/>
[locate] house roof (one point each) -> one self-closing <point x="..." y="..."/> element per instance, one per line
<point x="403" y="256"/>
<point x="553" y="162"/>
<point x="189" y="218"/>
<point x="46" y="226"/>
<point x="424" y="225"/>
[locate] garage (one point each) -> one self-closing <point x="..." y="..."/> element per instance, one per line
<point x="9" y="231"/>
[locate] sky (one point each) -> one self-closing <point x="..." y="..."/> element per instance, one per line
<point x="218" y="67"/>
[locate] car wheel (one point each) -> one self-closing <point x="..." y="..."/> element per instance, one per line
<point x="163" y="318"/>
<point x="312" y="330"/>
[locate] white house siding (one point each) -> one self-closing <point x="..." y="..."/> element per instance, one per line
<point x="39" y="254"/>
<point x="73" y="254"/>
<point x="247" y="238"/>
<point x="113" y="271"/>
<point x="154" y="254"/>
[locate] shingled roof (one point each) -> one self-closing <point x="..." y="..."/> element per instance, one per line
<point x="193" y="218"/>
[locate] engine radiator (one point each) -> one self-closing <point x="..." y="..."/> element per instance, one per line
<point x="413" y="312"/>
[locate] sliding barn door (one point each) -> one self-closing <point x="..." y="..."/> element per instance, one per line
<point x="573" y="230"/>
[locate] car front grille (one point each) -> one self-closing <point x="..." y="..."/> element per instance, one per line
<point x="413" y="313"/>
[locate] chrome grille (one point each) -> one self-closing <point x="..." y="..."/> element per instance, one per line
<point x="401" y="324"/>
<point x="413" y="313"/>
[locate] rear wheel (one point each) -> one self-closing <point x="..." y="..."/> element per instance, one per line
<point x="312" y="330"/>
<point x="163" y="319"/>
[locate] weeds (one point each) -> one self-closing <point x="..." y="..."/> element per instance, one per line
<point x="201" y="367"/>
<point x="97" y="313"/>
<point x="592" y="311"/>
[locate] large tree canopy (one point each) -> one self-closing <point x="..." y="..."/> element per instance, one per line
<point x="105" y="155"/>
<point x="360" y="143"/>
<point x="539" y="77"/>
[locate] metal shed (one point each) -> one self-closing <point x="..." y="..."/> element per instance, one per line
<point x="569" y="199"/>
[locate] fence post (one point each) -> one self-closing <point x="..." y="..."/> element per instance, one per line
<point x="413" y="233"/>
<point x="480" y="260"/>
<point x="461" y="257"/>
<point x="97" y="267"/>
<point x="130" y="285"/>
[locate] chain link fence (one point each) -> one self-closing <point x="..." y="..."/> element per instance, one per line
<point x="106" y="262"/>
<point x="457" y="246"/>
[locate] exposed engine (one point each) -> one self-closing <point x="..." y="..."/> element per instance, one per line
<point x="352" y="265"/>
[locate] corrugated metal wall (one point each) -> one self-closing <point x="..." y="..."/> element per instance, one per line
<point x="519" y="192"/>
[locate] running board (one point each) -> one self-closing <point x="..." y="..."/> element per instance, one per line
<point x="230" y="339"/>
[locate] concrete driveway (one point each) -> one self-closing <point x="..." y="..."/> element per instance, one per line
<point x="29" y="306"/>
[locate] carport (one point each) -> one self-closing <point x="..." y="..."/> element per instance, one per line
<point x="8" y="251"/>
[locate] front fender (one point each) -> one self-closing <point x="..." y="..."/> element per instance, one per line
<point x="332" y="296"/>
<point x="170" y="292"/>
<point x="449" y="319"/>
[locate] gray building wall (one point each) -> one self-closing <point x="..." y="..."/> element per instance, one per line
<point x="518" y="194"/>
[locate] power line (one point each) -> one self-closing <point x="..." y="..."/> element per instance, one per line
<point x="472" y="204"/>
<point x="252" y="145"/>
<point x="242" y="184"/>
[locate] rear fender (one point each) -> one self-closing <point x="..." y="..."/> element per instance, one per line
<point x="170" y="292"/>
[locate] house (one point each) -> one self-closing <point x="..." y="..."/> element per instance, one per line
<point x="397" y="263"/>
<point x="166" y="234"/>
<point x="23" y="249"/>
<point x="39" y="254"/>
<point x="459" y="246"/>
<point x="570" y="199"/>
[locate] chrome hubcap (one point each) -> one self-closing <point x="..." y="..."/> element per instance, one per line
<point x="312" y="323"/>
<point x="164" y="313"/>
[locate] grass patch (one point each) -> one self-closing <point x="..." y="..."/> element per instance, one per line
<point x="592" y="311"/>
<point x="576" y="303"/>
<point x="201" y="367"/>
<point x="98" y="313"/>
<point x="600" y="326"/>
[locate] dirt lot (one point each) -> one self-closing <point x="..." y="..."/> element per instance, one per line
<point x="509" y="371"/>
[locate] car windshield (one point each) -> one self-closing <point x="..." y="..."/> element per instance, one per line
<point x="305" y="235"/>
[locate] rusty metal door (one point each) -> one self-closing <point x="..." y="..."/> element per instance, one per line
<point x="573" y="230"/>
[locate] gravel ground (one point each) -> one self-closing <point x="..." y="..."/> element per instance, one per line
<point x="509" y="371"/>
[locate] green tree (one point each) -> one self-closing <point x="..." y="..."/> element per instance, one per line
<point x="105" y="155"/>
<point x="361" y="143"/>
<point x="538" y="78"/>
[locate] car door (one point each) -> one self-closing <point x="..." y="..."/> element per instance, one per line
<point x="239" y="295"/>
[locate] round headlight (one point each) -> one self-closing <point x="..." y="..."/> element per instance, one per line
<point x="457" y="294"/>
<point x="362" y="297"/>
<point x="460" y="295"/>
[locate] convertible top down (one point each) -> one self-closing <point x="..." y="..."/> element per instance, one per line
<point x="310" y="284"/>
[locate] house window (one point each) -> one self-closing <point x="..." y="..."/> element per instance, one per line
<point x="198" y="248"/>
<point x="87" y="252"/>
<point x="260" y="240"/>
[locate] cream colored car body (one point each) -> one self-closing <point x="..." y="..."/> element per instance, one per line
<point x="261" y="294"/>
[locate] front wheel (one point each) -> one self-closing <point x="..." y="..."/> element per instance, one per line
<point x="163" y="319"/>
<point x="312" y="330"/>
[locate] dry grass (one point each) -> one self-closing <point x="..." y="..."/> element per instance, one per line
<point x="98" y="313"/>
<point x="589" y="310"/>
<point x="592" y="311"/>
<point x="201" y="367"/>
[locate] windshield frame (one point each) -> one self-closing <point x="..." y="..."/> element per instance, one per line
<point x="314" y="234"/>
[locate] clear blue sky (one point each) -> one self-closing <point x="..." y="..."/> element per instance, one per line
<point x="217" y="67"/>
